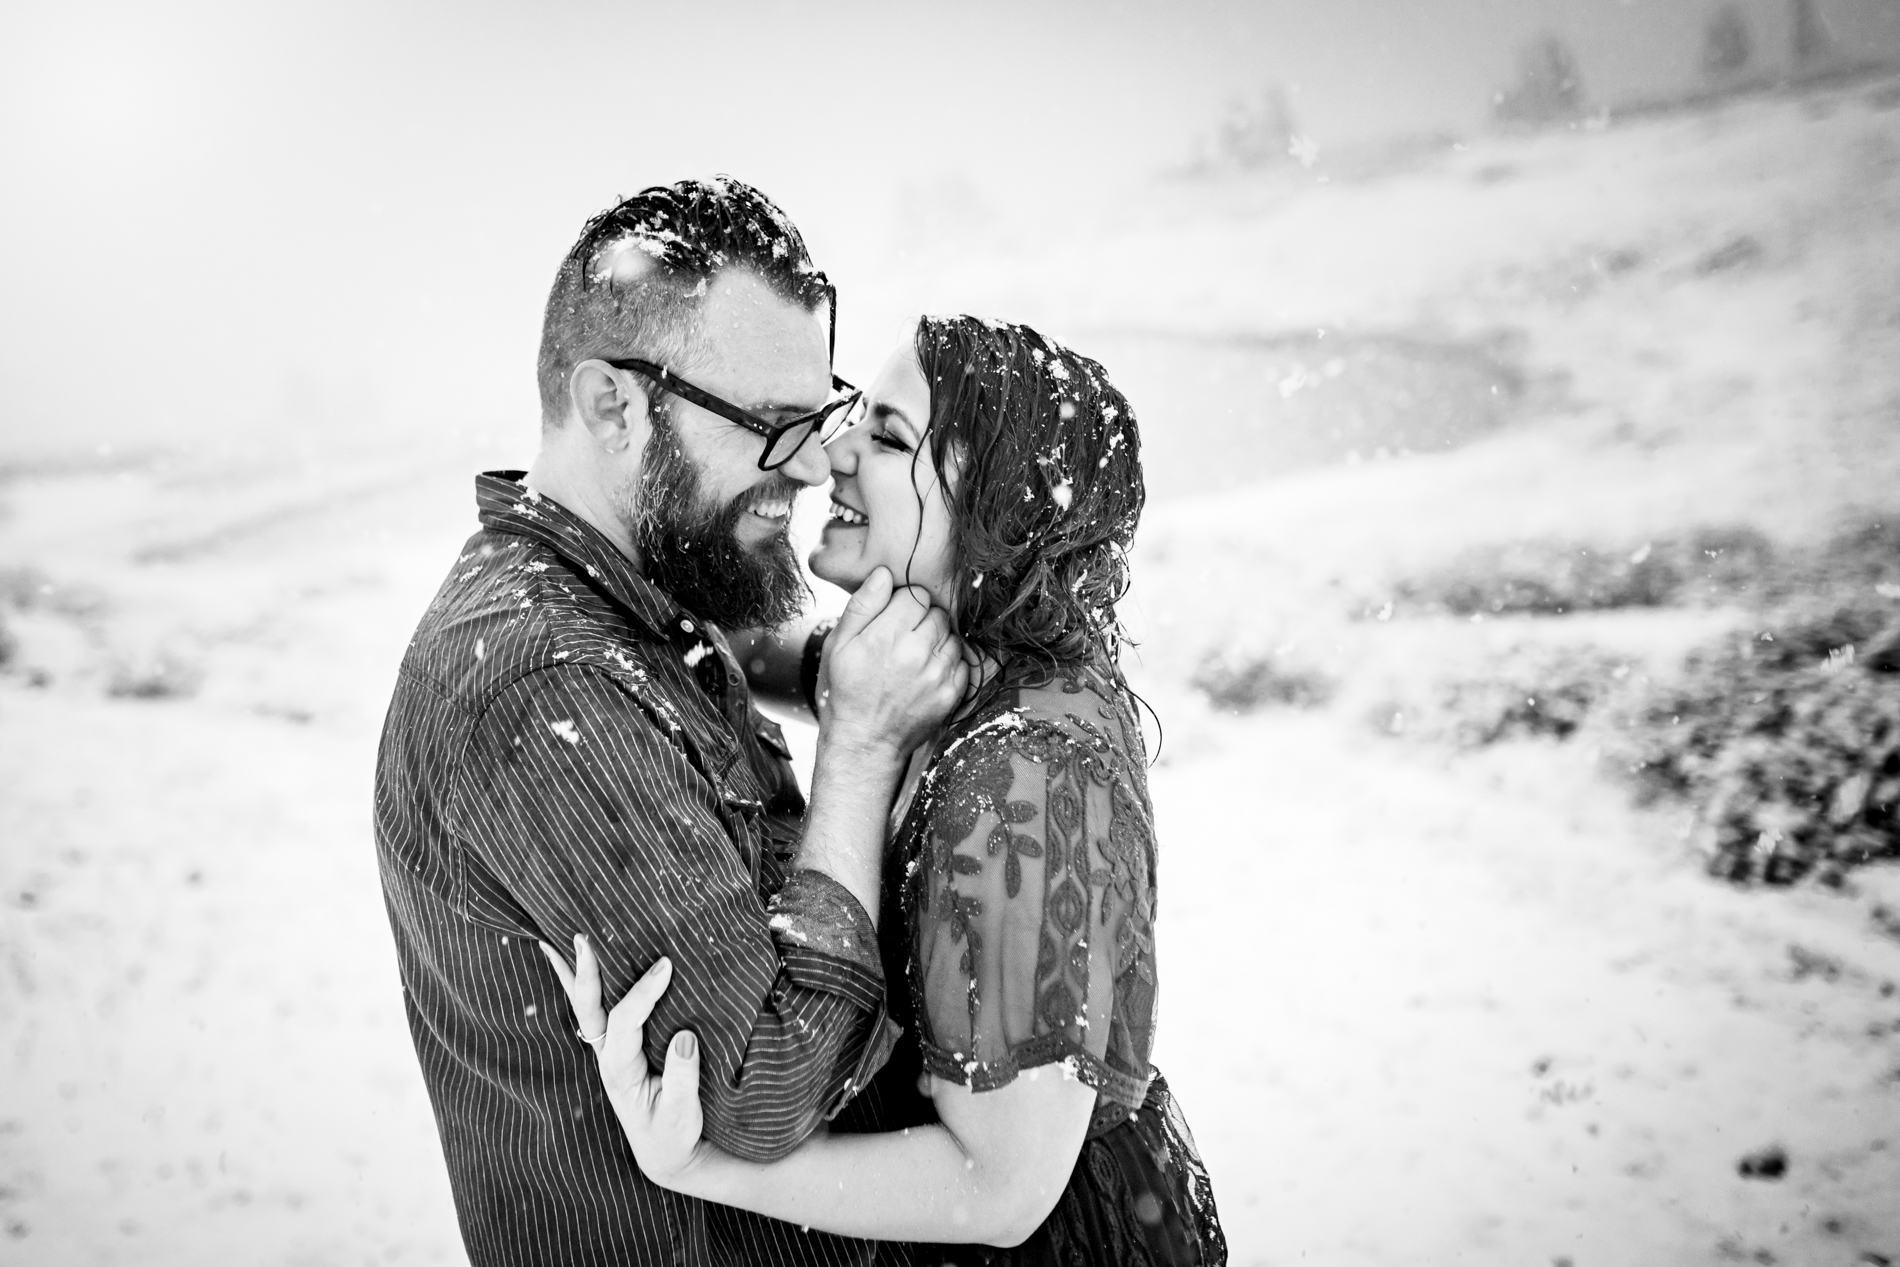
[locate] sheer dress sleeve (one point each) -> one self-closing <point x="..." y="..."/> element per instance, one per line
<point x="1032" y="906"/>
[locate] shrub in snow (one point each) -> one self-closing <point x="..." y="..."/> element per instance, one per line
<point x="1809" y="39"/>
<point x="158" y="677"/>
<point x="1256" y="132"/>
<point x="1237" y="681"/>
<point x="1726" y="43"/>
<point x="1787" y="741"/>
<point x="1703" y="567"/>
<point x="1530" y="692"/>
<point x="1534" y="692"/>
<point x="1548" y="87"/>
<point x="1740" y="251"/>
<point x="1552" y="578"/>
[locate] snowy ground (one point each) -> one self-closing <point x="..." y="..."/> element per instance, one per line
<point x="1420" y="1006"/>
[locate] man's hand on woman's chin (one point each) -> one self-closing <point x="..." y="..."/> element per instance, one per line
<point x="892" y="670"/>
<point x="660" y="1114"/>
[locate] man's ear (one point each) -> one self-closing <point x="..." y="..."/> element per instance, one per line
<point x="611" y="404"/>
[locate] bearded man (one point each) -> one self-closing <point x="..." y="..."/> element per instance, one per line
<point x="572" y="751"/>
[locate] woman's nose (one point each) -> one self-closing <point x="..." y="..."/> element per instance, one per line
<point x="842" y="451"/>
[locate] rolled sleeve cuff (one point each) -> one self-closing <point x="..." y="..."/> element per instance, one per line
<point x="826" y="939"/>
<point x="827" y="942"/>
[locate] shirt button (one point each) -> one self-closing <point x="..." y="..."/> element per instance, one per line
<point x="687" y="625"/>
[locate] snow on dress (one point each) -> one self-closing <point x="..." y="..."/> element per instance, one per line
<point x="1019" y="903"/>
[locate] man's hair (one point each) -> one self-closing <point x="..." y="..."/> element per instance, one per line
<point x="684" y="234"/>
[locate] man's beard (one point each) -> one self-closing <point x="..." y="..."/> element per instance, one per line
<point x="689" y="547"/>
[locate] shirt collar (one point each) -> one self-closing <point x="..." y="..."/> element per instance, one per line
<point x="508" y="505"/>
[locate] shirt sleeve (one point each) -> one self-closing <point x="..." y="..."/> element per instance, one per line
<point x="1036" y="915"/>
<point x="597" y="822"/>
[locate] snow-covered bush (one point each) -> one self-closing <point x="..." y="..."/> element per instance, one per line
<point x="1548" y="87"/>
<point x="1552" y="578"/>
<point x="1255" y="132"/>
<point x="16" y="588"/>
<point x="1240" y="681"/>
<point x="1532" y="691"/>
<point x="1809" y="38"/>
<point x="1711" y="566"/>
<point x="1726" y="43"/>
<point x="1787" y="742"/>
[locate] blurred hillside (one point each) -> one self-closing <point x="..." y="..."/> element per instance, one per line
<point x="332" y="225"/>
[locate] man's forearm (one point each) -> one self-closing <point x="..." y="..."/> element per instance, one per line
<point x="810" y="1053"/>
<point x="852" y="788"/>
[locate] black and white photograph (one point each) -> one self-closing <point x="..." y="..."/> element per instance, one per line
<point x="851" y="634"/>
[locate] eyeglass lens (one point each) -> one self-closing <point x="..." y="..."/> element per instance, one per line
<point x="780" y="449"/>
<point x="847" y="413"/>
<point x="836" y="416"/>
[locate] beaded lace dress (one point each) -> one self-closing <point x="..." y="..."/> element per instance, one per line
<point x="1019" y="932"/>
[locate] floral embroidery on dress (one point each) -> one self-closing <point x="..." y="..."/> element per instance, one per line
<point x="1031" y="915"/>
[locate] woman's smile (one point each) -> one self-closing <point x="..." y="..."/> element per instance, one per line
<point x="843" y="516"/>
<point x="887" y="501"/>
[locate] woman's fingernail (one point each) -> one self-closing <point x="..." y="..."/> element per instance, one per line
<point x="684" y="1045"/>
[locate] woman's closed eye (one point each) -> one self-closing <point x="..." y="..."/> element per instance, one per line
<point x="890" y="440"/>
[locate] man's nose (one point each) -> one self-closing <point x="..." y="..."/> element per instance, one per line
<point x="808" y="466"/>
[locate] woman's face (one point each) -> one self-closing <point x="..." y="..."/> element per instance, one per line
<point x="887" y="504"/>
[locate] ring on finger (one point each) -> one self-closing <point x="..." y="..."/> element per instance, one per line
<point x="595" y="1040"/>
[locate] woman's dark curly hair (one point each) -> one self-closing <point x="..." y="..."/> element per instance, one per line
<point x="1041" y="466"/>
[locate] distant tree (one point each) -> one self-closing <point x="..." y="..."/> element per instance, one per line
<point x="1726" y="43"/>
<point x="1810" y="39"/>
<point x="1256" y="131"/>
<point x="1548" y="88"/>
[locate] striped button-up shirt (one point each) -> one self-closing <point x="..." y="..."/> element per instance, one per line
<point x="570" y="751"/>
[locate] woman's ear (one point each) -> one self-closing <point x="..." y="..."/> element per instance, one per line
<point x="610" y="403"/>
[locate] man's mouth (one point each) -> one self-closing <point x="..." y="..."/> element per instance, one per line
<point x="843" y="514"/>
<point x="772" y="509"/>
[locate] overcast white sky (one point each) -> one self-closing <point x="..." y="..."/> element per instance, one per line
<point x="238" y="219"/>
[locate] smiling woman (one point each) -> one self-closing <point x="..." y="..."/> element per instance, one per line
<point x="887" y="498"/>
<point x="1019" y="1119"/>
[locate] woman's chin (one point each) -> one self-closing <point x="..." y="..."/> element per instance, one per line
<point x="828" y="567"/>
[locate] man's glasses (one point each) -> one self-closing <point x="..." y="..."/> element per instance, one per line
<point x="782" y="439"/>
